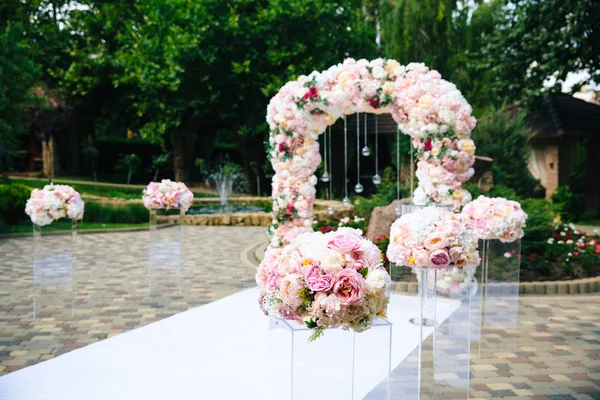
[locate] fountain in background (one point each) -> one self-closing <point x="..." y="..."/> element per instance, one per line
<point x="225" y="177"/>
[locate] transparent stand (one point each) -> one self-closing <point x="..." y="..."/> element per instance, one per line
<point x="53" y="269"/>
<point x="338" y="365"/>
<point x="497" y="307"/>
<point x="164" y="265"/>
<point x="453" y="344"/>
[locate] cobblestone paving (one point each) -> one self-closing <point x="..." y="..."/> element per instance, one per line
<point x="552" y="353"/>
<point x="113" y="290"/>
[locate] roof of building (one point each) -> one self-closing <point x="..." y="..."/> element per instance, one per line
<point x="566" y="116"/>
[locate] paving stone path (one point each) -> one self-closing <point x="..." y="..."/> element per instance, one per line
<point x="552" y="353"/>
<point x="111" y="289"/>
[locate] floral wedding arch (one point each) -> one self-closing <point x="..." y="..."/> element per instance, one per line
<point x="426" y="107"/>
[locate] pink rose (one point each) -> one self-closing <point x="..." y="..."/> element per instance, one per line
<point x="349" y="286"/>
<point x="290" y="287"/>
<point x="440" y="258"/>
<point x="317" y="279"/>
<point x="436" y="241"/>
<point x="345" y="244"/>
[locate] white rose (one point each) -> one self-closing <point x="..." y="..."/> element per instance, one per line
<point x="377" y="280"/>
<point x="332" y="261"/>
<point x="313" y="180"/>
<point x="378" y="72"/>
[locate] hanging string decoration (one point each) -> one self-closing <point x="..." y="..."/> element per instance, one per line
<point x="429" y="109"/>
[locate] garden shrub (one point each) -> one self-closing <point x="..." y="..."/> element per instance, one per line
<point x="475" y="190"/>
<point x="386" y="193"/>
<point x="504" y="136"/>
<point x="540" y="217"/>
<point x="568" y="206"/>
<point x="115" y="214"/>
<point x="13" y="197"/>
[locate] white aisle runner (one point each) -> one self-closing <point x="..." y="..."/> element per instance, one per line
<point x="218" y="351"/>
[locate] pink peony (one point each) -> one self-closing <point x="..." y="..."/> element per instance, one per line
<point x="317" y="279"/>
<point x="290" y="288"/>
<point x="349" y="286"/>
<point x="440" y="258"/>
<point x="345" y="244"/>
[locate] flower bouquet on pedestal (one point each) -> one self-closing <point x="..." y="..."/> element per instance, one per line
<point x="167" y="202"/>
<point x="53" y="255"/>
<point x="499" y="224"/>
<point x="428" y="240"/>
<point x="332" y="280"/>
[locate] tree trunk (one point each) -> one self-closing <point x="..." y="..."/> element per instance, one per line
<point x="49" y="157"/>
<point x="178" y="156"/>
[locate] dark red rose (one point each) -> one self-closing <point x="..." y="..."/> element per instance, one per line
<point x="427" y="144"/>
<point x="374" y="102"/>
<point x="311" y="94"/>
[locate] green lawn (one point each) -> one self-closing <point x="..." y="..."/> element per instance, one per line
<point x="27" y="227"/>
<point x="91" y="189"/>
<point x="97" y="190"/>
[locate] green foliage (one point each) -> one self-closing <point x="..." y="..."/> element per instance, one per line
<point x="18" y="74"/>
<point x="109" y="213"/>
<point x="535" y="40"/>
<point x="129" y="163"/>
<point x="540" y="217"/>
<point x="386" y="193"/>
<point x="503" y="191"/>
<point x="505" y="138"/>
<point x="13" y="197"/>
<point x="568" y="206"/>
<point x="475" y="190"/>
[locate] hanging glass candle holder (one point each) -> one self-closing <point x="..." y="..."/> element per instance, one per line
<point x="366" y="152"/>
<point x="358" y="188"/>
<point x="346" y="201"/>
<point x="398" y="210"/>
<point x="325" y="177"/>
<point x="330" y="210"/>
<point x="376" y="179"/>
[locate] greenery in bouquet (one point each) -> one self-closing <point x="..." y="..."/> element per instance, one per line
<point x="332" y="224"/>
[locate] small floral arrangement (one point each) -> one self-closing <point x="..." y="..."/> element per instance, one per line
<point x="433" y="237"/>
<point x="332" y="280"/>
<point x="496" y="218"/>
<point x="52" y="203"/>
<point x="167" y="194"/>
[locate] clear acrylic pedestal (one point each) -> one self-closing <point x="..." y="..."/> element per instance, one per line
<point x="338" y="365"/>
<point x="452" y="352"/>
<point x="497" y="304"/>
<point x="164" y="261"/>
<point x="53" y="269"/>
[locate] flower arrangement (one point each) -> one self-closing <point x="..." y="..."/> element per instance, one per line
<point x="433" y="237"/>
<point x="52" y="203"/>
<point x="456" y="281"/>
<point x="426" y="107"/>
<point x="496" y="218"/>
<point x="167" y="194"/>
<point x="332" y="280"/>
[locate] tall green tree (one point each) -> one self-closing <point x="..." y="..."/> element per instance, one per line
<point x="18" y="74"/>
<point x="216" y="64"/>
<point x="538" y="41"/>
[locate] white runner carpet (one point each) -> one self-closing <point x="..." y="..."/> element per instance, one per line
<point x="218" y="351"/>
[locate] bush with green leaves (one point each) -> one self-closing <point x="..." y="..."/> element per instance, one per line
<point x="504" y="136"/>
<point x="116" y="214"/>
<point x="129" y="163"/>
<point x="13" y="197"/>
<point x="569" y="206"/>
<point x="386" y="193"/>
